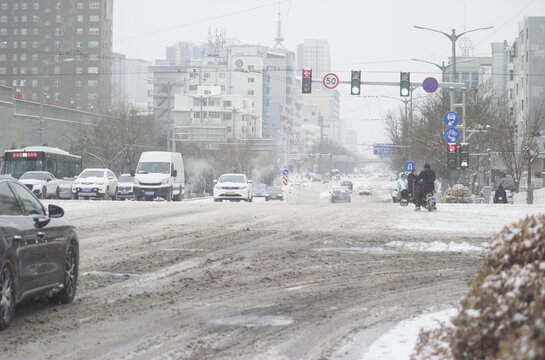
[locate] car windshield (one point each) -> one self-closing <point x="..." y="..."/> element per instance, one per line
<point x="232" y="178"/>
<point x="92" y="173"/>
<point x="33" y="176"/>
<point x="126" y="179"/>
<point x="260" y="186"/>
<point x="274" y="190"/>
<point x="153" y="167"/>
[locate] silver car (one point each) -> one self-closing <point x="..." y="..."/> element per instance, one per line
<point x="43" y="184"/>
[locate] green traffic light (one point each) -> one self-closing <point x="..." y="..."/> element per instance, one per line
<point x="464" y="164"/>
<point x="404" y="92"/>
<point x="355" y="90"/>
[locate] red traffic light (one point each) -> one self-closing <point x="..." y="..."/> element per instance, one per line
<point x="451" y="148"/>
<point x="307" y="73"/>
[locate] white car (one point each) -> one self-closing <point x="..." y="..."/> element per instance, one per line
<point x="99" y="183"/>
<point x="233" y="187"/>
<point x="366" y="190"/>
<point x="125" y="186"/>
<point x="43" y="184"/>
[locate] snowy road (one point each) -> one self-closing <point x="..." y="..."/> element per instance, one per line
<point x="261" y="280"/>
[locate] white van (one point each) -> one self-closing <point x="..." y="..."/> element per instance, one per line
<point x="159" y="174"/>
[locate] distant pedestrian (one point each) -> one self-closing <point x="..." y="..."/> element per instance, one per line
<point x="500" y="196"/>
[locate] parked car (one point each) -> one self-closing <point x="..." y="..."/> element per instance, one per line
<point x="274" y="193"/>
<point x="65" y="188"/>
<point x="43" y="184"/>
<point x="340" y="194"/>
<point x="39" y="251"/>
<point x="365" y="190"/>
<point x="348" y="184"/>
<point x="98" y="183"/>
<point x="259" y="190"/>
<point x="125" y="187"/>
<point x="233" y="187"/>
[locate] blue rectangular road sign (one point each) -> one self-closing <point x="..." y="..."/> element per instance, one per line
<point x="409" y="166"/>
<point x="383" y="149"/>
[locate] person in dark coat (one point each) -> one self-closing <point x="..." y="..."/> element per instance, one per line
<point x="500" y="196"/>
<point x="426" y="185"/>
<point x="412" y="179"/>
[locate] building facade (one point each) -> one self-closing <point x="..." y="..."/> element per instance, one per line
<point x="58" y="51"/>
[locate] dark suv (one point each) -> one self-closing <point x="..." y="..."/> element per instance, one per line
<point x="39" y="251"/>
<point x="348" y="184"/>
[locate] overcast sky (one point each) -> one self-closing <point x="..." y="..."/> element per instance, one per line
<point x="374" y="36"/>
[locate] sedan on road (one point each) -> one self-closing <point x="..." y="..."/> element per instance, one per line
<point x="233" y="187"/>
<point x="43" y="184"/>
<point x="340" y="194"/>
<point x="39" y="252"/>
<point x="365" y="190"/>
<point x="98" y="183"/>
<point x="274" y="193"/>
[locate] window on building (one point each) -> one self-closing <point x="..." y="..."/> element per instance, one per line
<point x="80" y="6"/>
<point x="221" y="75"/>
<point x="92" y="44"/>
<point x="4" y="6"/>
<point x="58" y="5"/>
<point x="79" y="83"/>
<point x="24" y="19"/>
<point x="34" y="83"/>
<point x="3" y="57"/>
<point x="94" y="18"/>
<point x="16" y="31"/>
<point x="92" y="83"/>
<point x="92" y="70"/>
<point x="227" y="116"/>
<point x="3" y="19"/>
<point x="94" y="31"/>
<point x="35" y="18"/>
<point x="35" y="31"/>
<point x="250" y="79"/>
<point x="94" y="5"/>
<point x="227" y="103"/>
<point x="23" y="46"/>
<point x="56" y="83"/>
<point x="192" y="87"/>
<point x="58" y="18"/>
<point x="36" y="6"/>
<point x="250" y="92"/>
<point x="214" y="115"/>
<point x="79" y="18"/>
<point x="34" y="57"/>
<point x="79" y="70"/>
<point x="3" y="70"/>
<point x="3" y="32"/>
<point x="57" y="44"/>
<point x="93" y="57"/>
<point x="57" y="70"/>
<point x="79" y="44"/>
<point x="206" y="75"/>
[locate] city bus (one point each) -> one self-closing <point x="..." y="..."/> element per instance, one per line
<point x="60" y="163"/>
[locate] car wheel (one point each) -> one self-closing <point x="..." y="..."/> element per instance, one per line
<point x="7" y="296"/>
<point x="251" y="199"/>
<point x="116" y="195"/>
<point x="169" y="195"/>
<point x="266" y="199"/>
<point x="107" y="194"/>
<point x="70" y="281"/>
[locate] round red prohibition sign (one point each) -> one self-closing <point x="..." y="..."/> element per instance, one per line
<point x="430" y="84"/>
<point x="331" y="81"/>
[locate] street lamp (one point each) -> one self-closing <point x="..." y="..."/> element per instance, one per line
<point x="234" y="110"/>
<point x="45" y="64"/>
<point x="453" y="37"/>
<point x="442" y="67"/>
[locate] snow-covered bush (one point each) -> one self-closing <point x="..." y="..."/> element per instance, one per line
<point x="503" y="315"/>
<point x="458" y="193"/>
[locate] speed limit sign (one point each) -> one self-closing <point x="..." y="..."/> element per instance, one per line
<point x="331" y="81"/>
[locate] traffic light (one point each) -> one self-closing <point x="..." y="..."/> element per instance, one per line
<point x="452" y="157"/>
<point x="355" y="82"/>
<point x="307" y="81"/>
<point x="405" y="84"/>
<point x="464" y="156"/>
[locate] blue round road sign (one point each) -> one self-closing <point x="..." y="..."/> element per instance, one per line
<point x="430" y="84"/>
<point x="285" y="172"/>
<point x="451" y="119"/>
<point x="451" y="135"/>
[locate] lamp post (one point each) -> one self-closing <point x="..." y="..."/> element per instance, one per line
<point x="442" y="67"/>
<point x="45" y="64"/>
<point x="453" y="37"/>
<point x="234" y="110"/>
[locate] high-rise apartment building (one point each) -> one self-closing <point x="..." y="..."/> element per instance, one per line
<point x="58" y="51"/>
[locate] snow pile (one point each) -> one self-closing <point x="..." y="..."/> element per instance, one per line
<point x="503" y="315"/>
<point x="458" y="193"/>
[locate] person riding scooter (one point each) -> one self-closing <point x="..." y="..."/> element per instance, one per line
<point x="500" y="196"/>
<point x="426" y="185"/>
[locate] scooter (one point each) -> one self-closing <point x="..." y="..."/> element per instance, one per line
<point x="404" y="201"/>
<point x="431" y="202"/>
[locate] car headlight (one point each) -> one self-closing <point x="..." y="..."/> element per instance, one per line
<point x="164" y="181"/>
<point x="99" y="183"/>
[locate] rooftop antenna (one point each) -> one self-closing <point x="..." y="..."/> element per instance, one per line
<point x="279" y="38"/>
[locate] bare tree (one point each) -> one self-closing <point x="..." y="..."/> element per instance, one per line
<point x="515" y="142"/>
